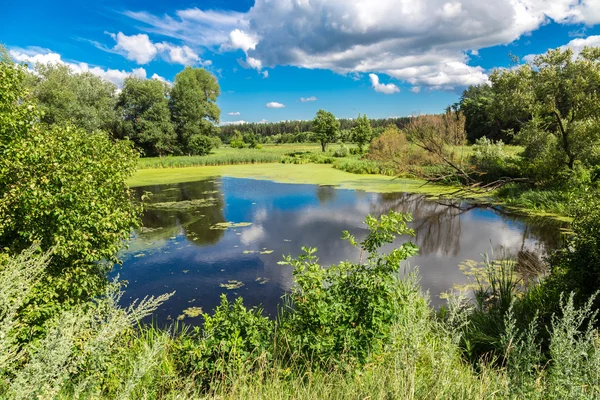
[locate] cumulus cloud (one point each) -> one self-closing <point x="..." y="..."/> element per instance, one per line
<point x="308" y="99"/>
<point x="577" y="45"/>
<point x="415" y="89"/>
<point x="137" y="48"/>
<point x="239" y="39"/>
<point x="274" y="104"/>
<point x="240" y="122"/>
<point x="44" y="56"/>
<point x="429" y="48"/>
<point x="142" y="50"/>
<point x="389" y="88"/>
<point x="232" y="114"/>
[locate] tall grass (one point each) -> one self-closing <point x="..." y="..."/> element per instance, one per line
<point x="228" y="156"/>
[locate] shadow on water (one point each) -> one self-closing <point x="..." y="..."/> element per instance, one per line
<point x="226" y="235"/>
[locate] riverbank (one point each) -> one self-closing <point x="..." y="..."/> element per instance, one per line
<point x="326" y="174"/>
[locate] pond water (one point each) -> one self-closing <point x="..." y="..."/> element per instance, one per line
<point x="226" y="235"/>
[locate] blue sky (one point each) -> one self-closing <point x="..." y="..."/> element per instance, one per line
<point x="285" y="59"/>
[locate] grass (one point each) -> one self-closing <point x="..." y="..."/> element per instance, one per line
<point x="269" y="153"/>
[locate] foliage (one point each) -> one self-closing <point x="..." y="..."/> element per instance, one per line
<point x="193" y="104"/>
<point x="237" y="141"/>
<point x="84" y="99"/>
<point x="200" y="145"/>
<point x="232" y="339"/>
<point x="362" y="133"/>
<point x="482" y="120"/>
<point x="577" y="265"/>
<point x="341" y="151"/>
<point x="346" y="311"/>
<point x="326" y="128"/>
<point x="491" y="160"/>
<point x="560" y="92"/>
<point x="144" y="107"/>
<point x="66" y="190"/>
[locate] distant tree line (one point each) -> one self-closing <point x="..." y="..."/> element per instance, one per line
<point x="297" y="128"/>
<point x="160" y="119"/>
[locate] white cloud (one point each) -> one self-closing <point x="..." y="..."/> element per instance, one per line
<point x="240" y="40"/>
<point x="240" y="122"/>
<point x="142" y="50"/>
<point x="232" y="114"/>
<point x="430" y="48"/>
<point x="44" y="56"/>
<point x="193" y="26"/>
<point x="263" y="121"/>
<point x="308" y="99"/>
<point x="577" y="45"/>
<point x="137" y="48"/>
<point x="265" y="74"/>
<point x="274" y="104"/>
<point x="415" y="89"/>
<point x="389" y="88"/>
<point x="183" y="55"/>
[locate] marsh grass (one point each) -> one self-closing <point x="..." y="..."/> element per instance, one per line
<point x="229" y="156"/>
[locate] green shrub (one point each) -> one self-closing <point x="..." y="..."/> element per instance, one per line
<point x="216" y="142"/>
<point x="346" y="311"/>
<point x="231" y="340"/>
<point x="341" y="151"/>
<point x="200" y="145"/>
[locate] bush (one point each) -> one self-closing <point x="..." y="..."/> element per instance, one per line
<point x="200" y="145"/>
<point x="230" y="341"/>
<point x="346" y="312"/>
<point x="216" y="142"/>
<point x="341" y="151"/>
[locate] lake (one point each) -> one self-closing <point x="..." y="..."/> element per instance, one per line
<point x="226" y="235"/>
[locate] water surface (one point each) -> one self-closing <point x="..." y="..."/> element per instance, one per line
<point x="205" y="238"/>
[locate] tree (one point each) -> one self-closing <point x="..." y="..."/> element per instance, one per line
<point x="193" y="104"/>
<point x="326" y="127"/>
<point x="438" y="134"/>
<point x="561" y="93"/>
<point x="82" y="98"/>
<point x="144" y="107"/>
<point x="65" y="190"/>
<point x="481" y="118"/>
<point x="361" y="133"/>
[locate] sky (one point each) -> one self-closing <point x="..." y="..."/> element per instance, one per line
<point x="286" y="59"/>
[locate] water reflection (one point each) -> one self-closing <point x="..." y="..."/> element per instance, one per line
<point x="185" y="246"/>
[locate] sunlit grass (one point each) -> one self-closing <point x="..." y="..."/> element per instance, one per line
<point x="269" y="153"/>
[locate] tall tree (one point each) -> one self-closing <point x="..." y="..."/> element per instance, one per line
<point x="82" y="98"/>
<point x="193" y="104"/>
<point x="362" y="132"/>
<point x="561" y="93"/>
<point x="326" y="128"/>
<point x="144" y="108"/>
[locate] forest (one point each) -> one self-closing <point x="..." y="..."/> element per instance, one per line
<point x="70" y="146"/>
